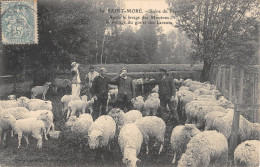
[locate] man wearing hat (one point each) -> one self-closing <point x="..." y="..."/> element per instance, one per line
<point x="125" y="90"/>
<point x="75" y="87"/>
<point x="166" y="92"/>
<point x="100" y="90"/>
<point x="90" y="78"/>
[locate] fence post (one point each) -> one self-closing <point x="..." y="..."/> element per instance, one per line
<point x="223" y="82"/>
<point x="218" y="78"/>
<point x="235" y="129"/>
<point x="230" y="83"/>
<point x="241" y="86"/>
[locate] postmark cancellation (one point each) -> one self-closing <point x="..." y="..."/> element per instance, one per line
<point x="19" y="22"/>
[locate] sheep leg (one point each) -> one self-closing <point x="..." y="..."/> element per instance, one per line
<point x="5" y="133"/>
<point x="20" y="135"/>
<point x="43" y="96"/>
<point x="174" y="158"/>
<point x="25" y="136"/>
<point x="68" y="113"/>
<point x="46" y="132"/>
<point x="12" y="133"/>
<point x="161" y="148"/>
<point x="146" y="140"/>
<point x="39" y="141"/>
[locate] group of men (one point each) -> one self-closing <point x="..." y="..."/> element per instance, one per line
<point x="98" y="86"/>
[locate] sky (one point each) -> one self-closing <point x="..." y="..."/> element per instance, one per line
<point x="150" y="4"/>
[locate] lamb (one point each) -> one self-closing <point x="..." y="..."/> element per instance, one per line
<point x="151" y="105"/>
<point x="38" y="90"/>
<point x="48" y="122"/>
<point x="65" y="101"/>
<point x="60" y="83"/>
<point x="80" y="105"/>
<point x="80" y="125"/>
<point x="122" y="118"/>
<point x="130" y="140"/>
<point x="113" y="92"/>
<point x="38" y="104"/>
<point x="247" y="154"/>
<point x="208" y="148"/>
<point x="23" y="127"/>
<point x="180" y="137"/>
<point x="138" y="103"/>
<point x="101" y="132"/>
<point x="147" y="127"/>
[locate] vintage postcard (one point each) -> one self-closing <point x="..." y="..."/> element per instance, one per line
<point x="135" y="83"/>
<point x="19" y="22"/>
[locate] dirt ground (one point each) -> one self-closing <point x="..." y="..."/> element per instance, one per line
<point x="61" y="152"/>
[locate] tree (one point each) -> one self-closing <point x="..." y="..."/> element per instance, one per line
<point x="211" y="24"/>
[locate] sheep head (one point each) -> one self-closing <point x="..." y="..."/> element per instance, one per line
<point x="131" y="161"/>
<point x="71" y="121"/>
<point x="191" y="129"/>
<point x="116" y="114"/>
<point x="47" y="84"/>
<point x="11" y="97"/>
<point x="84" y="98"/>
<point x="94" y="139"/>
<point x="23" y="101"/>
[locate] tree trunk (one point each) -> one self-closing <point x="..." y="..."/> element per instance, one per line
<point x="205" y="71"/>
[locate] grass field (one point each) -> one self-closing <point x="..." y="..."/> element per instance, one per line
<point x="65" y="152"/>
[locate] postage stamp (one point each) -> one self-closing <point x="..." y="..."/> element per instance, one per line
<point x="19" y="21"/>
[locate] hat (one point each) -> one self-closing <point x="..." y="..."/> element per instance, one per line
<point x="73" y="64"/>
<point x="91" y="67"/>
<point x="123" y="68"/>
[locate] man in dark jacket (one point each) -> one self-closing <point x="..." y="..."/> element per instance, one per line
<point x="125" y="90"/>
<point x="166" y="92"/>
<point x="100" y="90"/>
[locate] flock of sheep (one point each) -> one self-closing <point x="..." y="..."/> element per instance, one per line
<point x="202" y="141"/>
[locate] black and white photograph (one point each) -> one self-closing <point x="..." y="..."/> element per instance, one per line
<point x="129" y="83"/>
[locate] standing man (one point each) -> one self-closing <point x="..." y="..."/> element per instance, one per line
<point x="100" y="90"/>
<point x="89" y="80"/>
<point x="75" y="87"/>
<point x="166" y="92"/>
<point x="125" y="90"/>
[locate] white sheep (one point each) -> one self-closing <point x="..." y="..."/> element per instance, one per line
<point x="60" y="83"/>
<point x="202" y="111"/>
<point x="113" y="92"/>
<point x="247" y="130"/>
<point x="17" y="112"/>
<point x="65" y="101"/>
<point x="155" y="89"/>
<point x="151" y="104"/>
<point x="8" y="103"/>
<point x="122" y="118"/>
<point x="48" y="122"/>
<point x="80" y="125"/>
<point x="5" y="127"/>
<point x="38" y="104"/>
<point x="11" y="97"/>
<point x="208" y="148"/>
<point x="80" y="105"/>
<point x="23" y="127"/>
<point x="130" y="140"/>
<point x="205" y="98"/>
<point x="40" y="90"/>
<point x="180" y="137"/>
<point x="210" y="117"/>
<point x="147" y="127"/>
<point x="247" y="154"/>
<point x="138" y="103"/>
<point x="101" y="132"/>
<point x="183" y="88"/>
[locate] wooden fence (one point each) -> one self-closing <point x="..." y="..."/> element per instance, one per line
<point x="239" y="85"/>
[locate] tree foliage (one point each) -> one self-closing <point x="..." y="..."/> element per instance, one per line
<point x="212" y="25"/>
